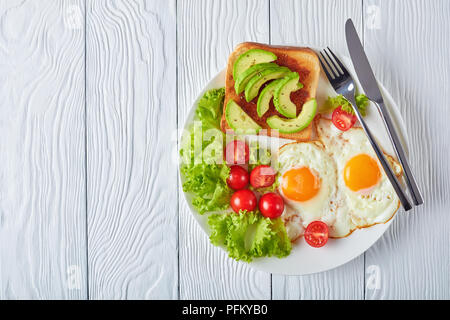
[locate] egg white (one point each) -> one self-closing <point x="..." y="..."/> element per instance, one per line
<point x="328" y="205"/>
<point x="293" y="223"/>
<point x="377" y="204"/>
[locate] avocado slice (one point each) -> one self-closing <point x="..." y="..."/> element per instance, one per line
<point x="237" y="119"/>
<point x="282" y="94"/>
<point x="295" y="125"/>
<point x="255" y="83"/>
<point x="265" y="96"/>
<point x="250" y="58"/>
<point x="244" y="77"/>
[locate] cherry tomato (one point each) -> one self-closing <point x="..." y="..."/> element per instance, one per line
<point x="238" y="178"/>
<point x="342" y="119"/>
<point x="316" y="234"/>
<point x="243" y="200"/>
<point x="237" y="152"/>
<point x="271" y="205"/>
<point x="262" y="176"/>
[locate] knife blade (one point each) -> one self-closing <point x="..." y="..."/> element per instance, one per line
<point x="361" y="63"/>
<point x="370" y="85"/>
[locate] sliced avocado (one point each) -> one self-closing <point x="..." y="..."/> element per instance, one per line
<point x="250" y="58"/>
<point x="282" y="94"/>
<point x="255" y="83"/>
<point x="265" y="96"/>
<point x="295" y="125"/>
<point x="244" y="77"/>
<point x="237" y="119"/>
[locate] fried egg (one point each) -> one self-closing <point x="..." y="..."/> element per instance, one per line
<point x="368" y="193"/>
<point x="307" y="183"/>
<point x="336" y="179"/>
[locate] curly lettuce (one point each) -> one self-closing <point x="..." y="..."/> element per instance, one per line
<point x="333" y="102"/>
<point x="210" y="107"/>
<point x="202" y="154"/>
<point x="249" y="235"/>
<point x="207" y="183"/>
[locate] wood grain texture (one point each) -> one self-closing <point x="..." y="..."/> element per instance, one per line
<point x="128" y="247"/>
<point x="132" y="180"/>
<point x="318" y="24"/>
<point x="207" y="33"/>
<point x="42" y="185"/>
<point x="407" y="43"/>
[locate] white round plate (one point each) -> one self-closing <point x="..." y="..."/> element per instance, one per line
<point x="303" y="258"/>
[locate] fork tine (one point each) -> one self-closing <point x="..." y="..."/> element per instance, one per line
<point x="338" y="71"/>
<point x="344" y="70"/>
<point x="330" y="74"/>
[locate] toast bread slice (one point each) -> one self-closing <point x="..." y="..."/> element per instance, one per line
<point x="301" y="60"/>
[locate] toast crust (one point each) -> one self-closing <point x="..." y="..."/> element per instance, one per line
<point x="301" y="60"/>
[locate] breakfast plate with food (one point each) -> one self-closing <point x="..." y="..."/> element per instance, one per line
<point x="276" y="168"/>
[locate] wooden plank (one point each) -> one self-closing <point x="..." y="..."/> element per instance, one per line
<point x="407" y="44"/>
<point x="207" y="33"/>
<point x="131" y="113"/>
<point x="317" y="24"/>
<point x="42" y="145"/>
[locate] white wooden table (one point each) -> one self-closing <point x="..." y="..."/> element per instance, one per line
<point x="91" y="95"/>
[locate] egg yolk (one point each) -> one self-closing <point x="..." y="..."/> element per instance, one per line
<point x="361" y="172"/>
<point x="300" y="184"/>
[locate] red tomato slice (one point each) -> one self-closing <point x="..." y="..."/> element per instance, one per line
<point x="238" y="178"/>
<point x="271" y="205"/>
<point x="243" y="200"/>
<point x="342" y="119"/>
<point x="316" y="234"/>
<point x="237" y="152"/>
<point x="262" y="176"/>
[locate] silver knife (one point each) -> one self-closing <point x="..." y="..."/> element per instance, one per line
<point x="372" y="91"/>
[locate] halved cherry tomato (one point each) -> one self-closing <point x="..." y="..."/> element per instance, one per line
<point x="237" y="152"/>
<point x="262" y="176"/>
<point x="342" y="119"/>
<point x="243" y="200"/>
<point x="271" y="205"/>
<point x="238" y="178"/>
<point x="316" y="234"/>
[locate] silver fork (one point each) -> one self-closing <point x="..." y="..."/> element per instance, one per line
<point x="343" y="83"/>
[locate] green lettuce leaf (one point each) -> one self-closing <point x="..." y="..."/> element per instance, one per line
<point x="333" y="102"/>
<point x="202" y="156"/>
<point x="249" y="235"/>
<point x="210" y="108"/>
<point x="208" y="184"/>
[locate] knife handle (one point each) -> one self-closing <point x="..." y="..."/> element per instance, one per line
<point x="400" y="152"/>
